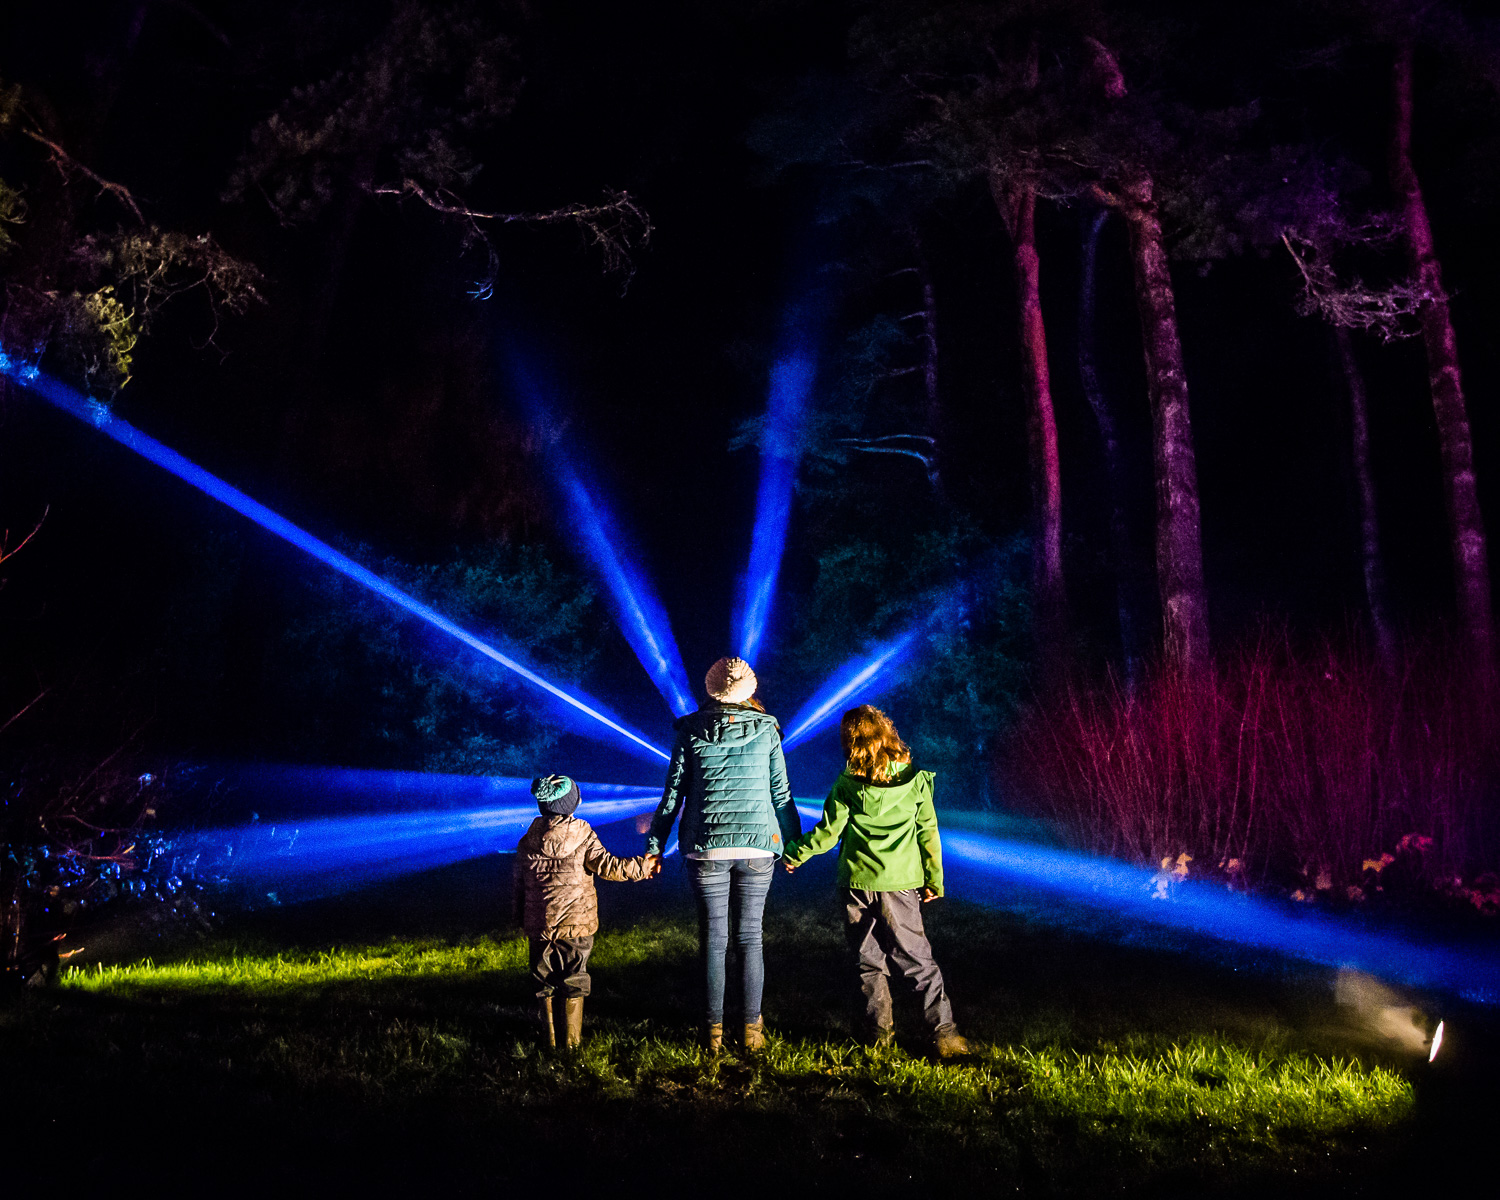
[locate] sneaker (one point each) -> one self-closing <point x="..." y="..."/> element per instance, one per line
<point x="882" y="1038"/>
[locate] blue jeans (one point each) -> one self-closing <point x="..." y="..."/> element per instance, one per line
<point x="738" y="885"/>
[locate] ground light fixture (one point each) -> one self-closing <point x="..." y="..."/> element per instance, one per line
<point x="101" y="418"/>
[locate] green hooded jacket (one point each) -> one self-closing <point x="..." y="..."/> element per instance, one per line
<point x="887" y="833"/>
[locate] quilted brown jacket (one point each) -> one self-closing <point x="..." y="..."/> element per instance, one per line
<point x="556" y="860"/>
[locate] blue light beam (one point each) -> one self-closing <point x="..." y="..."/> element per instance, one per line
<point x="99" y="416"/>
<point x="638" y="612"/>
<point x="984" y="862"/>
<point x="791" y="384"/>
<point x="873" y="672"/>
<point x="290" y="860"/>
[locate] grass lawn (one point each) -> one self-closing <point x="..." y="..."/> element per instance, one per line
<point x="384" y="1042"/>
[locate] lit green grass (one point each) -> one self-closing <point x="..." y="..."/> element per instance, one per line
<point x="447" y="1019"/>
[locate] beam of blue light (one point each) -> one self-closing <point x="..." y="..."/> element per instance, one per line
<point x="638" y="612"/>
<point x="975" y="863"/>
<point x="283" y="789"/>
<point x="301" y="859"/>
<point x="866" y="676"/>
<point x="100" y="417"/>
<point x="791" y="384"/>
<point x="869" y="674"/>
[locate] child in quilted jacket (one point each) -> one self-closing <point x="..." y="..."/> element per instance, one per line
<point x="556" y="861"/>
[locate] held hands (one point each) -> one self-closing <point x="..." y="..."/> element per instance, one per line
<point x="653" y="865"/>
<point x="928" y="895"/>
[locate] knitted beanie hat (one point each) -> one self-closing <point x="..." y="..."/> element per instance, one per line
<point x="730" y="681"/>
<point x="556" y="795"/>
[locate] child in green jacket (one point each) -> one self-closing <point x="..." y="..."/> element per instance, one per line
<point x="890" y="863"/>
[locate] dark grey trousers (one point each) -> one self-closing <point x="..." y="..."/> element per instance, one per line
<point x="884" y="929"/>
<point x="561" y="965"/>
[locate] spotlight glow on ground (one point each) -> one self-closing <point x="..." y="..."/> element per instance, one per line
<point x="984" y="869"/>
<point x="99" y="416"/>
<point x="791" y="385"/>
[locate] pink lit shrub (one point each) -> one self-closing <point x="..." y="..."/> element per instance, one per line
<point x="1290" y="767"/>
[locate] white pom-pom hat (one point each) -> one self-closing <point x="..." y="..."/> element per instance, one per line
<point x="730" y="681"/>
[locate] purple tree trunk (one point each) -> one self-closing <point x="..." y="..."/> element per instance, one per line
<point x="1465" y="522"/>
<point x="1179" y="549"/>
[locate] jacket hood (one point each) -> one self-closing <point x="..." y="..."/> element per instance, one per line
<point x="726" y="723"/>
<point x="895" y="793"/>
<point x="563" y="835"/>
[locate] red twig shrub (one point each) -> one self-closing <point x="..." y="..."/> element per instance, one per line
<point x="1286" y="764"/>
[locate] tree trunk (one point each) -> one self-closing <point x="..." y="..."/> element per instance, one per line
<point x="1017" y="204"/>
<point x="1371" y="562"/>
<point x="1466" y="523"/>
<point x="1132" y="582"/>
<point x="1179" y="548"/>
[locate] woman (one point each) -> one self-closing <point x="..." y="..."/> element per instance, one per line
<point x="728" y="779"/>
<point x="890" y="864"/>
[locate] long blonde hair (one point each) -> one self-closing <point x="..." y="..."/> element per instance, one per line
<point x="871" y="743"/>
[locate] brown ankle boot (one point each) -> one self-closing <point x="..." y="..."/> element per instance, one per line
<point x="574" y="1010"/>
<point x="949" y="1043"/>
<point x="713" y="1036"/>
<point x="549" y="1030"/>
<point x="755" y="1035"/>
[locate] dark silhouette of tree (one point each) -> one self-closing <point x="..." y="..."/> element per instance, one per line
<point x="402" y="119"/>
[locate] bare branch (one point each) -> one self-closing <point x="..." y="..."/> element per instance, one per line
<point x="7" y="550"/>
<point x="67" y="164"/>
<point x="617" y="227"/>
<point x="16" y="716"/>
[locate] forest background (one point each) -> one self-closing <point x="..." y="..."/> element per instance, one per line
<point x="1131" y="395"/>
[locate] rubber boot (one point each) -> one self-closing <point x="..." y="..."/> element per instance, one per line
<point x="713" y="1036"/>
<point x="949" y="1043"/>
<point x="755" y="1035"/>
<point x="574" y="1007"/>
<point x="549" y="1031"/>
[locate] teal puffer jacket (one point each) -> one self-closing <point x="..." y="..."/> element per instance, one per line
<point x="728" y="779"/>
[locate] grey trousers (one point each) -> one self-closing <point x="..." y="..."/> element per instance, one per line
<point x="884" y="929"/>
<point x="561" y="965"/>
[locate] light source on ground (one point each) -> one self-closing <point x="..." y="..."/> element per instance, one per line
<point x="99" y="416"/>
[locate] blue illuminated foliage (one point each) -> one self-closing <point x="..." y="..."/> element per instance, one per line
<point x="98" y="415"/>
